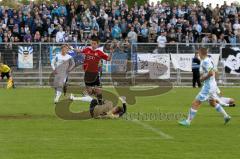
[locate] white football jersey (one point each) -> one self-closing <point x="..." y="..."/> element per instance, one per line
<point x="59" y="60"/>
<point x="207" y="65"/>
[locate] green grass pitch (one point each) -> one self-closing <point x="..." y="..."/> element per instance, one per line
<point x="29" y="129"/>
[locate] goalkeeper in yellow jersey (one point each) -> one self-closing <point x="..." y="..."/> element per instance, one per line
<point x="5" y="70"/>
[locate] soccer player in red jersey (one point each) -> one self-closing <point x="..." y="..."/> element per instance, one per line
<point x="93" y="56"/>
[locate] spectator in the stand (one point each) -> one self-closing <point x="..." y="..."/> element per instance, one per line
<point x="236" y="25"/>
<point x="27" y="37"/>
<point x="132" y="36"/>
<point x="124" y="28"/>
<point x="144" y="33"/>
<point x="16" y="39"/>
<point x="22" y="33"/>
<point x="16" y="30"/>
<point x="232" y="39"/>
<point x="116" y="31"/>
<point x="10" y="24"/>
<point x="74" y="24"/>
<point x="94" y="33"/>
<point x="10" y="35"/>
<point x="217" y="30"/>
<point x="37" y="37"/>
<point x="60" y="36"/>
<point x="216" y="11"/>
<point x="162" y="40"/>
<point x="51" y="29"/>
<point x="172" y="35"/>
<point x="214" y="39"/>
<point x="179" y="35"/>
<point x="95" y="25"/>
<point x="206" y="40"/>
<point x="222" y="41"/>
<point x="182" y="20"/>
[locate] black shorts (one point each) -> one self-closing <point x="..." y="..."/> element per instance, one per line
<point x="92" y="79"/>
<point x="7" y="74"/>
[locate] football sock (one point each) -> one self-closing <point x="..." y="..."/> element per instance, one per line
<point x="58" y="94"/>
<point x="84" y="99"/>
<point x="220" y="109"/>
<point x="223" y="104"/>
<point x="191" y="115"/>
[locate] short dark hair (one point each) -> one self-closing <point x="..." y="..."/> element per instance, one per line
<point x="95" y="38"/>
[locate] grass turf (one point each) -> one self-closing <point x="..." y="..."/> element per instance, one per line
<point x="29" y="129"/>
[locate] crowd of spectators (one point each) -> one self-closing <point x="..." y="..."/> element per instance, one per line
<point x="162" y="23"/>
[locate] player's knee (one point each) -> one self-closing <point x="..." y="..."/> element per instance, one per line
<point x="212" y="102"/>
<point x="196" y="103"/>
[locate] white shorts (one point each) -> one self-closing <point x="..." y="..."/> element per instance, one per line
<point x="206" y="94"/>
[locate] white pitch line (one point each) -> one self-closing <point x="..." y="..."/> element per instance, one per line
<point x="156" y="131"/>
<point x="86" y="139"/>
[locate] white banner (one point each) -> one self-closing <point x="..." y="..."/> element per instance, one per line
<point x="184" y="61"/>
<point x="157" y="65"/>
<point x="231" y="59"/>
<point x="25" y="57"/>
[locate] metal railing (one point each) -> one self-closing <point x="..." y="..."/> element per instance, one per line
<point x="40" y="71"/>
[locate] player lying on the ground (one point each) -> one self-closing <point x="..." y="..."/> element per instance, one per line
<point x="5" y="70"/>
<point x="105" y="109"/>
<point x="224" y="101"/>
<point x="208" y="90"/>
<point x="62" y="64"/>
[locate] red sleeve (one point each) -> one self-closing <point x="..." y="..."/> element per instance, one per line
<point x="103" y="55"/>
<point x="85" y="51"/>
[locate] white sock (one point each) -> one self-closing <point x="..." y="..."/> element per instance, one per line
<point x="220" y="109"/>
<point x="84" y="99"/>
<point x="58" y="95"/>
<point x="223" y="104"/>
<point x="191" y="114"/>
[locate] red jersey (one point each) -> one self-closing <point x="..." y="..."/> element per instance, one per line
<point x="92" y="59"/>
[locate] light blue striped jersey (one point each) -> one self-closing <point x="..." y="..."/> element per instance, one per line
<point x="207" y="65"/>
